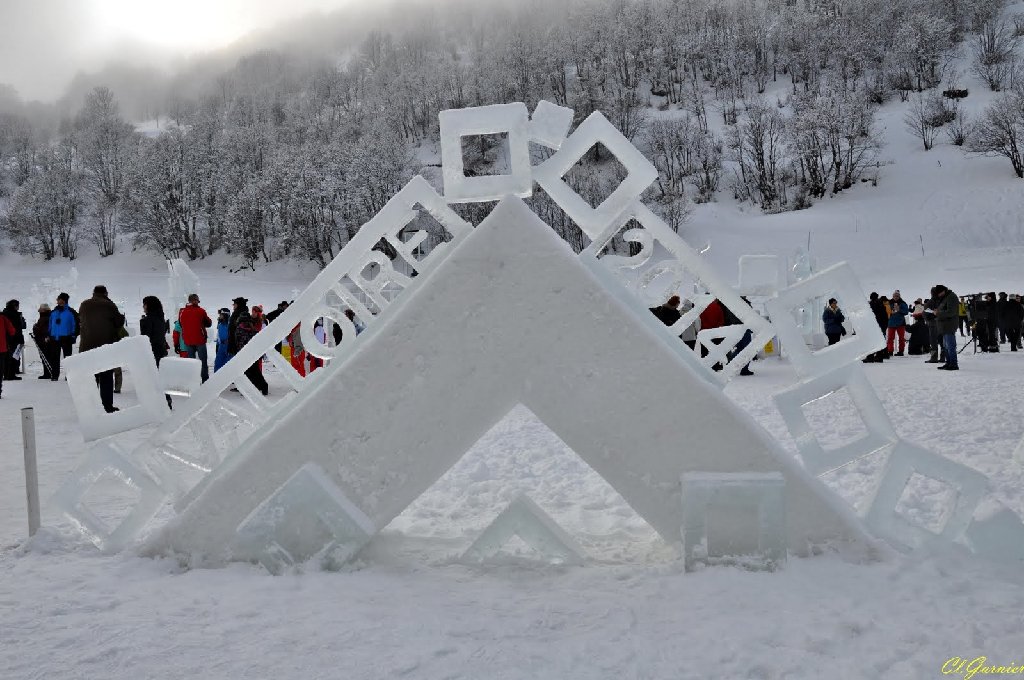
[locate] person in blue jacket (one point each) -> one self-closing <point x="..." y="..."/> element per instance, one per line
<point x="897" y="326"/>
<point x="223" y="327"/>
<point x="63" y="331"/>
<point x="833" y="320"/>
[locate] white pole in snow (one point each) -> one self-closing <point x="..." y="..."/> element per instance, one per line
<point x="28" y="436"/>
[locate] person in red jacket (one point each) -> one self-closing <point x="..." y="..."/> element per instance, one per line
<point x="7" y="333"/>
<point x="194" y="322"/>
<point x="712" y="317"/>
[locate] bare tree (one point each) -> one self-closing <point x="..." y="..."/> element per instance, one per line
<point x="995" y="54"/>
<point x="1000" y="130"/>
<point x="919" y="120"/>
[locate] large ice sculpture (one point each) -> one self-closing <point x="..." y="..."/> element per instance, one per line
<point x="525" y="519"/>
<point x="759" y="275"/>
<point x="512" y="119"/>
<point x="180" y="377"/>
<point x="817" y="459"/>
<point x="535" y="326"/>
<point x="307" y="517"/>
<point x="135" y="356"/>
<point x="640" y="173"/>
<point x="105" y="459"/>
<point x="734" y="518"/>
<point x="840" y="282"/>
<point x="905" y="460"/>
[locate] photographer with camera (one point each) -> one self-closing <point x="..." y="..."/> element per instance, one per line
<point x="947" y="318"/>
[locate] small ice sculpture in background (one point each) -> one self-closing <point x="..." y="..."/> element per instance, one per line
<point x="180" y="377"/>
<point x="525" y="519"/>
<point x="734" y="518"/>
<point x="181" y="282"/>
<point x="307" y="517"/>
<point x="136" y="357"/>
<point x="106" y="460"/>
<point x="759" y="275"/>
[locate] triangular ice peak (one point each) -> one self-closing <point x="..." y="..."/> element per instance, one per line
<point x="510" y="316"/>
<point x="525" y="519"/>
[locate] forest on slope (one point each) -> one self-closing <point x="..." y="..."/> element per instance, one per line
<point x="283" y="146"/>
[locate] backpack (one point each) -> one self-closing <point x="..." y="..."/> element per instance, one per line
<point x="245" y="331"/>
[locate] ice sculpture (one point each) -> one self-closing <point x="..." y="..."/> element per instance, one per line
<point x="131" y="354"/>
<point x="640" y="173"/>
<point x="180" y="377"/>
<point x="905" y="460"/>
<point x="307" y="517"/>
<point x="525" y="519"/>
<point x="181" y="282"/>
<point x="759" y="275"/>
<point x="535" y="326"/>
<point x="734" y="517"/>
<point x="105" y="459"/>
<point x="818" y="460"/>
<point x="550" y="124"/>
<point x="512" y="119"/>
<point x="727" y="337"/>
<point x="840" y="282"/>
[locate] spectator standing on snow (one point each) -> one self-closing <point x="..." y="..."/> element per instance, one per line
<point x="832" y="318"/>
<point x="222" y="356"/>
<point x="965" y="323"/>
<point x="1000" y="312"/>
<point x="64" y="329"/>
<point x="947" y="316"/>
<point x="194" y="322"/>
<point x="45" y="344"/>
<point x="154" y="326"/>
<point x="7" y="333"/>
<point x="17" y="344"/>
<point x="878" y="308"/>
<point x="668" y="313"/>
<point x="101" y="325"/>
<point x="896" y="325"/>
<point x="1013" y="318"/>
<point x="243" y="328"/>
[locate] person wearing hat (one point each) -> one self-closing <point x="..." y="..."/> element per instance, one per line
<point x="242" y="328"/>
<point x="64" y="328"/>
<point x="194" y="322"/>
<point x="897" y="324"/>
<point x="44" y="343"/>
<point x="7" y="332"/>
<point x="239" y="306"/>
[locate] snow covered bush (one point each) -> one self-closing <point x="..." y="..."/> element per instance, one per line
<point x="1000" y="130"/>
<point x="995" y="55"/>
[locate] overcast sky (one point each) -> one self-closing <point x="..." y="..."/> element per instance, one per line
<point x="43" y="43"/>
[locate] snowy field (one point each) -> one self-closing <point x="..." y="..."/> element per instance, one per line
<point x="406" y="610"/>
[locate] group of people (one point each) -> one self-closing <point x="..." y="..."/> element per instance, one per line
<point x="715" y="315"/>
<point x="930" y="325"/>
<point x="98" y="322"/>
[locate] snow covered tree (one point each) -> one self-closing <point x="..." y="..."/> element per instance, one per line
<point x="104" y="141"/>
<point x="46" y="209"/>
<point x="995" y="54"/>
<point x="1000" y="130"/>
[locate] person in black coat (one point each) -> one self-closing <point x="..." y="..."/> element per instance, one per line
<point x="832" y="319"/>
<point x="14" y="315"/>
<point x="877" y="305"/>
<point x="1013" y="319"/>
<point x="154" y="326"/>
<point x="48" y="350"/>
<point x="668" y="313"/>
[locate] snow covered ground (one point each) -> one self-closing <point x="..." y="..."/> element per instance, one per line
<point x="407" y="609"/>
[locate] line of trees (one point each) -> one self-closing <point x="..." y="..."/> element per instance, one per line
<point x="285" y="156"/>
